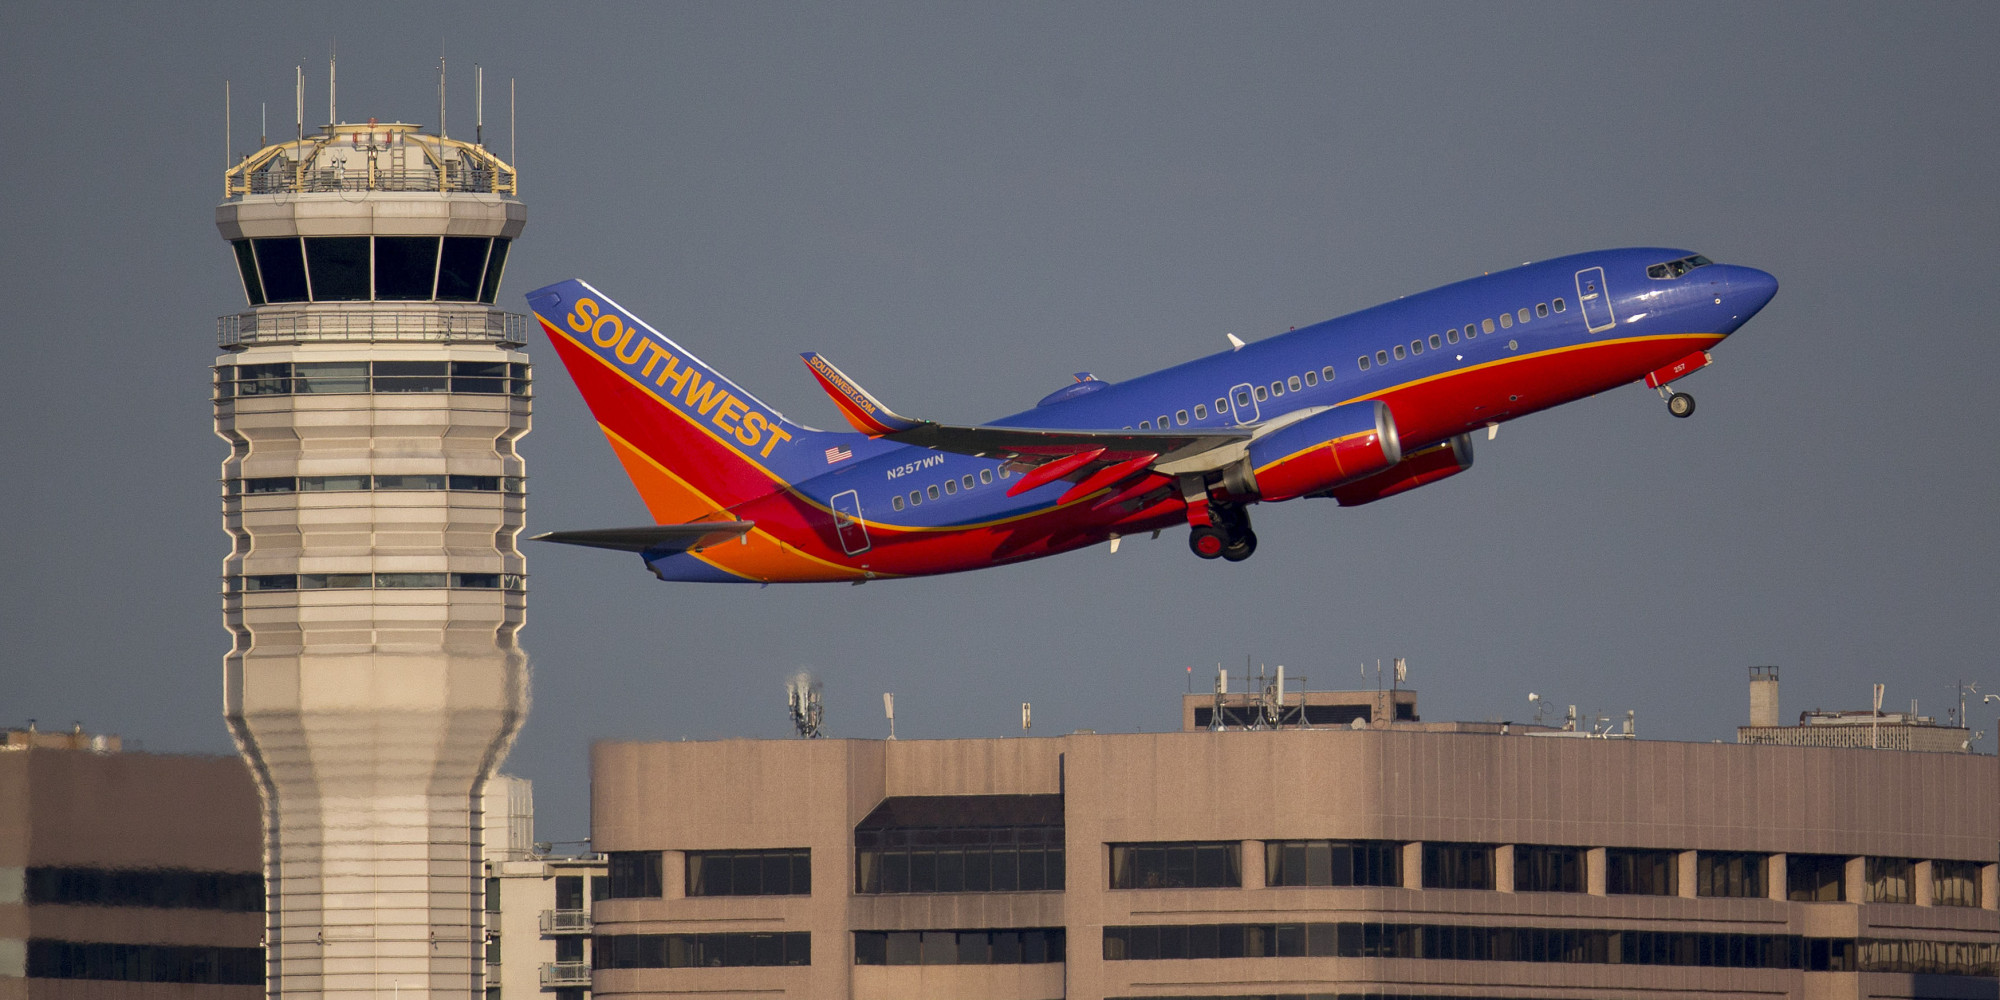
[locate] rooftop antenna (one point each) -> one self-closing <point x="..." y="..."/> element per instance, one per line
<point x="510" y="130"/>
<point x="332" y="86"/>
<point x="443" y="133"/>
<point x="228" y="144"/>
<point x="1024" y="716"/>
<point x="299" y="98"/>
<point x="263" y="124"/>
<point x="478" y="105"/>
<point x="889" y="709"/>
<point x="802" y="695"/>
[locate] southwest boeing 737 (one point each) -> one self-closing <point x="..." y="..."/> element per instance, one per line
<point x="1355" y="409"/>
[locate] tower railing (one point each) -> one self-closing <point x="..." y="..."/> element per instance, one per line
<point x="470" y="325"/>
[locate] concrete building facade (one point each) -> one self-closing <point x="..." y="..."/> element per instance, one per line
<point x="127" y="876"/>
<point x="1392" y="860"/>
<point x="371" y="395"/>
<point x="538" y="903"/>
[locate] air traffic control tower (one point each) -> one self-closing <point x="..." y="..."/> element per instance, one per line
<point x="372" y="396"/>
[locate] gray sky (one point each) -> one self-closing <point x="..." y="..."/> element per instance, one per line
<point x="963" y="204"/>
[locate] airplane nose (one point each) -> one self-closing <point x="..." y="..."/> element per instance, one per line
<point x="1751" y="290"/>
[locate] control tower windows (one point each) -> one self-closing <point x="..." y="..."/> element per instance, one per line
<point x="337" y="376"/>
<point x="496" y="264"/>
<point x="405" y="267"/>
<point x="411" y="376"/>
<point x="323" y="377"/>
<point x="281" y="264"/>
<point x="338" y="268"/>
<point x="246" y="263"/>
<point x="361" y="269"/>
<point x="461" y="268"/>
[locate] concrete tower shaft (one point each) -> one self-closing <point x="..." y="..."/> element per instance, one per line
<point x="371" y="396"/>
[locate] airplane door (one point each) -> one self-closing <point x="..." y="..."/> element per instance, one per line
<point x="847" y="522"/>
<point x="1243" y="403"/>
<point x="1595" y="299"/>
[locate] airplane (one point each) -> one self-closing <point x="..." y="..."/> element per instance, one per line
<point x="1355" y="409"/>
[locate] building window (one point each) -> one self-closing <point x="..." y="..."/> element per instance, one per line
<point x="750" y="873"/>
<point x="695" y="951"/>
<point x="960" y="843"/>
<point x="1012" y="946"/>
<point x="168" y="888"/>
<point x="1815" y="878"/>
<point x="493" y="895"/>
<point x="1458" y="866"/>
<point x="1188" y="865"/>
<point x="1955" y="883"/>
<point x="1333" y="862"/>
<point x="634" y="875"/>
<point x="349" y="377"/>
<point x="1632" y="872"/>
<point x="1890" y="880"/>
<point x="144" y="963"/>
<point x="1729" y="873"/>
<point x="1542" y="868"/>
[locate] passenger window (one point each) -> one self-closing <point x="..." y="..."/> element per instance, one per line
<point x="1416" y="347"/>
<point x="1451" y="335"/>
<point x="896" y="503"/>
<point x="1292" y="383"/>
<point x="1522" y="314"/>
<point x="931" y="491"/>
<point x="1145" y="425"/>
<point x="1471" y="331"/>
<point x="1506" y="320"/>
<point x="1559" y="305"/>
<point x="1243" y="398"/>
<point x="1201" y="411"/>
<point x="1542" y="309"/>
<point x="1277" y="388"/>
<point x="1326" y="373"/>
<point x="986" y="475"/>
<point x="967" y="480"/>
<point x="1162" y="422"/>
<point x="951" y="486"/>
<point x="1382" y="357"/>
<point x="1435" y="342"/>
<point x="1180" y="418"/>
<point x="1312" y="379"/>
<point x="1221" y="405"/>
<point x="1263" y="394"/>
<point x="916" y="498"/>
<point x="1399" y="353"/>
<point x="1486" y="326"/>
<point x="1005" y="472"/>
<point x="1362" y="362"/>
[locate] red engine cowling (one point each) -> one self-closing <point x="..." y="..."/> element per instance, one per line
<point x="1325" y="450"/>
<point x="1439" y="461"/>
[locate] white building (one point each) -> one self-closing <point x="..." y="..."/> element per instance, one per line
<point x="371" y="394"/>
<point x="538" y="904"/>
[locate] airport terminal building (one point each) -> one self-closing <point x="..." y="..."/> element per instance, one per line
<point x="1385" y="857"/>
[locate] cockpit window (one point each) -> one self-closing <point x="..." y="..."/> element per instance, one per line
<point x="1676" y="268"/>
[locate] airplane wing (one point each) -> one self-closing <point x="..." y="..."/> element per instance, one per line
<point x="1093" y="459"/>
<point x="653" y="539"/>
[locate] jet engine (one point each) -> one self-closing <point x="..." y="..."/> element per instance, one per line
<point x="1439" y="461"/>
<point x="1324" y="450"/>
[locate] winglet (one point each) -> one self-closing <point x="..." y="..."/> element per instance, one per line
<point x="864" y="411"/>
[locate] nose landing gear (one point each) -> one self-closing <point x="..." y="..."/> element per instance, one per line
<point x="1680" y="404"/>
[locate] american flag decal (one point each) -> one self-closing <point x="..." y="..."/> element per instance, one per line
<point x="838" y="454"/>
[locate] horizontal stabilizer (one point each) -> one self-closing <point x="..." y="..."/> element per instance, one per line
<point x="653" y="539"/>
<point x="861" y="409"/>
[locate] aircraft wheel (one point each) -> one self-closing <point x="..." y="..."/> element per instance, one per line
<point x="1680" y="404"/>
<point x="1207" y="542"/>
<point x="1241" y="549"/>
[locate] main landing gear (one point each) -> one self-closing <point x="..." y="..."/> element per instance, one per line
<point x="1227" y="534"/>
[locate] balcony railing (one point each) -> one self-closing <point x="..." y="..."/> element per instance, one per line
<point x="477" y="325"/>
<point x="565" y="973"/>
<point x="565" y="921"/>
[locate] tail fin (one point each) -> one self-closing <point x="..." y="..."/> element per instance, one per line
<point x="694" y="442"/>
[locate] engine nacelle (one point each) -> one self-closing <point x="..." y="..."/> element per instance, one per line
<point x="1324" y="450"/>
<point x="1439" y="461"/>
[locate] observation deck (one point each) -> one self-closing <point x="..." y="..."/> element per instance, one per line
<point x="370" y="156"/>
